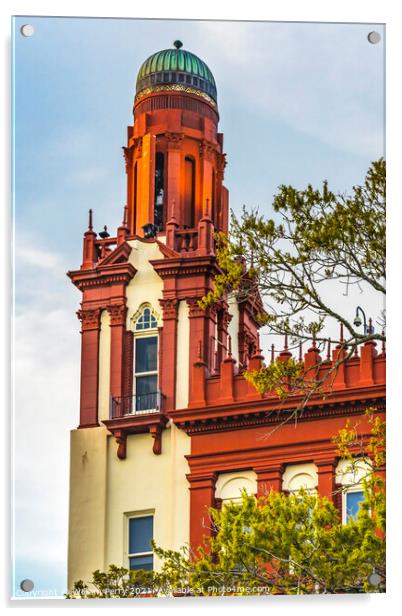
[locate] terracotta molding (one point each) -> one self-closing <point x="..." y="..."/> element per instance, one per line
<point x="208" y="150"/>
<point x="264" y="459"/>
<point x="174" y="140"/>
<point x="121" y="427"/>
<point x="128" y="153"/>
<point x="169" y="308"/>
<point x="90" y="318"/>
<point x="194" y="309"/>
<point x="103" y="275"/>
<point x="118" y="313"/>
<point x="193" y="421"/>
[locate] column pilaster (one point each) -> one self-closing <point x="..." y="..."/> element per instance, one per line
<point x="202" y="496"/>
<point x="168" y="352"/>
<point x="90" y="329"/>
<point x="269" y="477"/>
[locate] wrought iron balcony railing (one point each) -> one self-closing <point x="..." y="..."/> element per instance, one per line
<point x="139" y="404"/>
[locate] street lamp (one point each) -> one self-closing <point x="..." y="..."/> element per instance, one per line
<point x="368" y="329"/>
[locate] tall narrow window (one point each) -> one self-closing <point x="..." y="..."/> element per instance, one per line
<point x="349" y="477"/>
<point x="189" y="192"/>
<point x="352" y="503"/>
<point x="146" y="363"/>
<point x="140" y="533"/>
<point x="159" y="191"/>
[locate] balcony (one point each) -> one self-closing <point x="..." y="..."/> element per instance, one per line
<point x="136" y="414"/>
<point x="140" y="404"/>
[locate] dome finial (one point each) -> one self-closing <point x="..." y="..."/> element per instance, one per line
<point x="178" y="44"/>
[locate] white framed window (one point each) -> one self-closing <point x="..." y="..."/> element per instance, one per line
<point x="351" y="500"/>
<point x="140" y="532"/>
<point x="145" y="381"/>
<point x="350" y="475"/>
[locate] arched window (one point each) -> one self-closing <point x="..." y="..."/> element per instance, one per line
<point x="146" y="320"/>
<point x="189" y="192"/>
<point x="229" y="486"/>
<point x="146" y="394"/>
<point x="159" y="191"/>
<point x="297" y="476"/>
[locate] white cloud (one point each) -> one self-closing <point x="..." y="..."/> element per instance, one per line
<point x="325" y="80"/>
<point x="46" y="382"/>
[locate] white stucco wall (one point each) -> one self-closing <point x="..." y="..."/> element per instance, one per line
<point x="146" y="286"/>
<point x="145" y="482"/>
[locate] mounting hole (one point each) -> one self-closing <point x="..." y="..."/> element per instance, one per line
<point x="27" y="30"/>
<point x="27" y="585"/>
<point x="374" y="37"/>
<point x="374" y="579"/>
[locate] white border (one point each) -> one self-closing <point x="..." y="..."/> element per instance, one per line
<point x="384" y="11"/>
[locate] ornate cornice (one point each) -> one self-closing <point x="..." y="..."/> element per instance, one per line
<point x="185" y="267"/>
<point x="264" y="458"/>
<point x="175" y="88"/>
<point x="196" y="422"/>
<point x="103" y="275"/>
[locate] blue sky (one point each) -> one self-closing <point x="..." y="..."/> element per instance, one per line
<point x="298" y="103"/>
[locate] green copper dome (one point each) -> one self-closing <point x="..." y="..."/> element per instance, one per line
<point x="176" y="69"/>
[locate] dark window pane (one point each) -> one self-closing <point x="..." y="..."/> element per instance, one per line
<point x="142" y="562"/>
<point x="146" y="384"/>
<point x="140" y="534"/>
<point x="146" y="359"/>
<point x="146" y="397"/>
<point x="353" y="500"/>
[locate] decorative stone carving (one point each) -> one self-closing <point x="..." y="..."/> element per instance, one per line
<point x="194" y="308"/>
<point x="207" y="150"/>
<point x="90" y="318"/>
<point x="117" y="314"/>
<point x="169" y="308"/>
<point x="121" y="440"/>
<point x="174" y="140"/>
<point x="138" y="146"/>
<point x="156" y="433"/>
<point x="128" y="157"/>
<point x="220" y="167"/>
